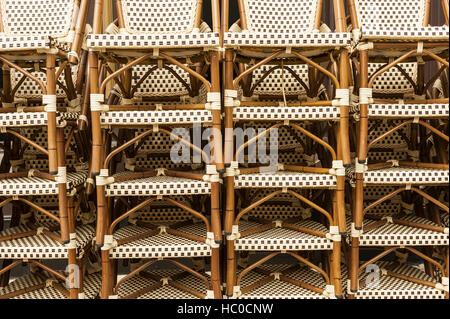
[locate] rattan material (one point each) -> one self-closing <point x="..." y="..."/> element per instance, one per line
<point x="91" y="287"/>
<point x="26" y="186"/>
<point x="306" y="113"/>
<point x="395" y="288"/>
<point x="46" y="25"/>
<point x="278" y="239"/>
<point x="249" y="39"/>
<point x="156" y="117"/>
<point x="400" y="235"/>
<point x="285" y="179"/>
<point x="406" y="175"/>
<point x="277" y="289"/>
<point x="396" y="20"/>
<point x="41" y="246"/>
<point x="162" y="245"/>
<point x="139" y="282"/>
<point x="396" y="111"/>
<point x="158" y="185"/>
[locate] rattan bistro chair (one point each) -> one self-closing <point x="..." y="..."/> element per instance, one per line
<point x="276" y="49"/>
<point x="176" y="49"/>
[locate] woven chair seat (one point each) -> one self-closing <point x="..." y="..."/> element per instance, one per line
<point x="408" y="110"/>
<point x="396" y="288"/>
<point x="91" y="287"/>
<point x="30" y="42"/>
<point x="148" y="41"/>
<point x="402" y="176"/>
<point x="285" y="179"/>
<point x="405" y="34"/>
<point x="277" y="239"/>
<point x="253" y="39"/>
<point x="294" y="113"/>
<point x="155" y="117"/>
<point x="278" y="289"/>
<point x="158" y="185"/>
<point x="21" y="119"/>
<point x="401" y="235"/>
<point x="162" y="245"/>
<point x="164" y="291"/>
<point x="41" y="246"/>
<point x="29" y="186"/>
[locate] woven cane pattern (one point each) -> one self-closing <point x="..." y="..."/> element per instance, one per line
<point x="273" y="83"/>
<point x="395" y="288"/>
<point x="158" y="185"/>
<point x="173" y="16"/>
<point x="91" y="287"/>
<point x="140" y="41"/>
<point x="399" y="20"/>
<point x="31" y="186"/>
<point x="393" y="81"/>
<point x="278" y="289"/>
<point x="392" y="234"/>
<point x="307" y="113"/>
<point x="37" y="17"/>
<point x="405" y="175"/>
<point x="408" y="110"/>
<point x="30" y="89"/>
<point x="291" y="16"/>
<point x="139" y="282"/>
<point x="282" y="239"/>
<point x="286" y="179"/>
<point x="161" y="245"/>
<point x="233" y="39"/>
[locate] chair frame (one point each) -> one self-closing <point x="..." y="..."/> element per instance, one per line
<point x="404" y="52"/>
<point x="101" y="158"/>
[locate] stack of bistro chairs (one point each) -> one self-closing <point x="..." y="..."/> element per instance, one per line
<point x="46" y="151"/>
<point x="400" y="177"/>
<point x="288" y="199"/>
<point x="157" y="213"/>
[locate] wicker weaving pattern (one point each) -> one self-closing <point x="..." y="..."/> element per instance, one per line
<point x="26" y="186"/>
<point x="279" y="78"/>
<point x="161" y="245"/>
<point x="91" y="287"/>
<point x="307" y="113"/>
<point x="401" y="235"/>
<point x="277" y="289"/>
<point x="140" y="41"/>
<point x="287" y="40"/>
<point x="400" y="20"/>
<point x="393" y="81"/>
<point x="139" y="282"/>
<point x="158" y="185"/>
<point x="395" y="288"/>
<point x="41" y="246"/>
<point x="173" y="16"/>
<point x="277" y="239"/>
<point x="286" y="179"/>
<point x="42" y="17"/>
<point x="30" y="89"/>
<point x="408" y="110"/>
